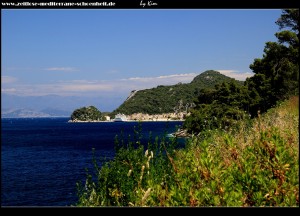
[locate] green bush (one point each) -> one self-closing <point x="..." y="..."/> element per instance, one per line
<point x="256" y="165"/>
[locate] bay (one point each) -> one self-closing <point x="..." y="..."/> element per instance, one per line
<point x="43" y="158"/>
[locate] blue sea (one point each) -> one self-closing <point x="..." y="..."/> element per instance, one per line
<point x="42" y="159"/>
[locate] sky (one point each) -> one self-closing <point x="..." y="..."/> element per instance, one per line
<point x="110" y="52"/>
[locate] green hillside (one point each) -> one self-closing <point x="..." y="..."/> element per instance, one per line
<point x="89" y="113"/>
<point x="166" y="99"/>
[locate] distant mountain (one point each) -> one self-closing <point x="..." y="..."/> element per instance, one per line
<point x="56" y="112"/>
<point x="158" y="100"/>
<point x="23" y="113"/>
<point x="172" y="98"/>
<point x="13" y="106"/>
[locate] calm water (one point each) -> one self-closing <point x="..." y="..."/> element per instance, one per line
<point x="43" y="158"/>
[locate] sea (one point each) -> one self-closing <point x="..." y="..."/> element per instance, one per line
<point x="42" y="159"/>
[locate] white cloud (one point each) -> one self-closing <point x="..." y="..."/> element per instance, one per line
<point x="66" y="69"/>
<point x="86" y="87"/>
<point x="236" y="74"/>
<point x="189" y="75"/>
<point x="167" y="79"/>
<point x="8" y="79"/>
<point x="121" y="87"/>
<point x="80" y="81"/>
<point x="8" y="90"/>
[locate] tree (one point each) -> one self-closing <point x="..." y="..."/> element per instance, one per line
<point x="276" y="78"/>
<point x="221" y="108"/>
<point x="289" y="19"/>
<point x="89" y="113"/>
<point x="277" y="73"/>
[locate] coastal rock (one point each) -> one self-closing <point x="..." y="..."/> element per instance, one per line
<point x="181" y="133"/>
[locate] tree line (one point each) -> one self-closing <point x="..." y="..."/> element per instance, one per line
<point x="276" y="77"/>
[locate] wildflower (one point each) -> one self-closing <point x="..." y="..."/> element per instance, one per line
<point x="129" y="172"/>
<point x="146" y="153"/>
<point x="147" y="193"/>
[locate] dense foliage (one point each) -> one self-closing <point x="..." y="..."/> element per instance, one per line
<point x="255" y="165"/>
<point x="219" y="108"/>
<point x="277" y="73"/>
<point x="173" y="98"/>
<point x="89" y="113"/>
<point x="276" y="77"/>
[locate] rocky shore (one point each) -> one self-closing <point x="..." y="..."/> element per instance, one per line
<point x="144" y="117"/>
<point x="148" y="120"/>
<point x="181" y="133"/>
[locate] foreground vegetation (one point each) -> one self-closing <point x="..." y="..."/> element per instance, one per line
<point x="243" y="150"/>
<point x="255" y="163"/>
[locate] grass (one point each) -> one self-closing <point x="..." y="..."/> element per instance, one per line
<point x="255" y="163"/>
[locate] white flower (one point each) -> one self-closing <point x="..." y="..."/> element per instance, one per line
<point x="146" y="153"/>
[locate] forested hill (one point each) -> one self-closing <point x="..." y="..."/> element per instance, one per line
<point x="171" y="98"/>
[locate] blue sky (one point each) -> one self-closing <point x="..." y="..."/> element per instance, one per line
<point x="109" y="53"/>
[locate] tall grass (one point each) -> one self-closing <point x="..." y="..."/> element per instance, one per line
<point x="254" y="164"/>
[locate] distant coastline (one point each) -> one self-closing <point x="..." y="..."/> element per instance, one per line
<point x="33" y="117"/>
<point x="155" y="120"/>
<point x="139" y="117"/>
<point x="179" y="133"/>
